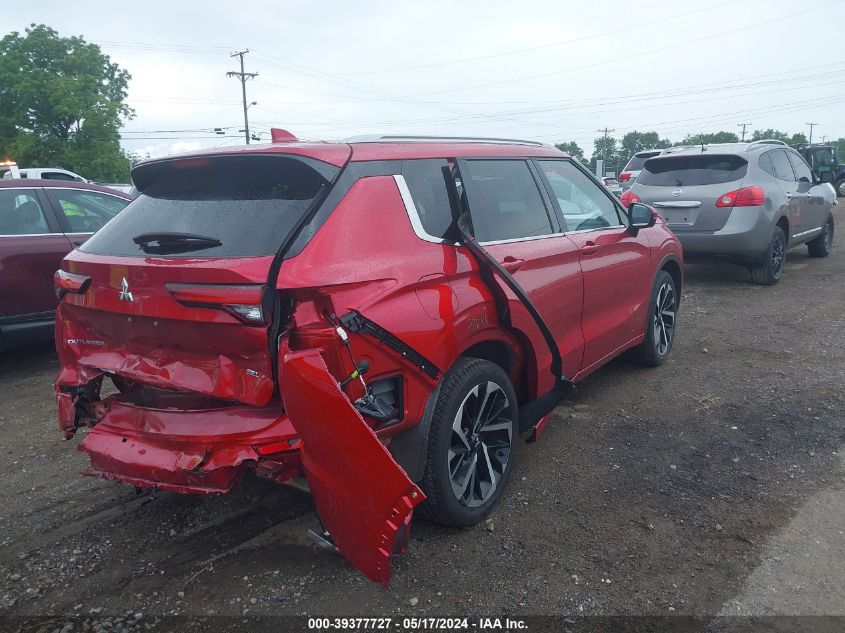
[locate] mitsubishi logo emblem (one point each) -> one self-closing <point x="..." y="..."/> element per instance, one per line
<point x="125" y="295"/>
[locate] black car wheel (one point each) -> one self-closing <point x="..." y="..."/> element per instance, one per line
<point x="660" y="329"/>
<point x="471" y="444"/>
<point x="769" y="269"/>
<point x="822" y="245"/>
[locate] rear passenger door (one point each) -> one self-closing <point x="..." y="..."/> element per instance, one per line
<point x="777" y="164"/>
<point x="616" y="264"/>
<point x="513" y="220"/>
<point x="31" y="248"/>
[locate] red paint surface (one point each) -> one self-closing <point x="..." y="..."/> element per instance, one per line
<point x="364" y="499"/>
<point x="365" y="257"/>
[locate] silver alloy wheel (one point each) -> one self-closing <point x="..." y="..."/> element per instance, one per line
<point x="842" y="187"/>
<point x="480" y="448"/>
<point x="664" y="318"/>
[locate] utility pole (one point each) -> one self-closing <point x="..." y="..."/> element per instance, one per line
<point x="605" y="131"/>
<point x="243" y="76"/>
<point x="743" y="126"/>
<point x="812" y="125"/>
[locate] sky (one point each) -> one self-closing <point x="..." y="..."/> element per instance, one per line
<point x="550" y="71"/>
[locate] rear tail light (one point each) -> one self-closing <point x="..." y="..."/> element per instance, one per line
<point x="244" y="302"/>
<point x="65" y="282"/>
<point x="745" y="197"/>
<point x="628" y="198"/>
<point x="625" y="176"/>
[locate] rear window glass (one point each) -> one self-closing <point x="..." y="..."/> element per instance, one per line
<point x="637" y="161"/>
<point x="677" y="171"/>
<point x="247" y="203"/>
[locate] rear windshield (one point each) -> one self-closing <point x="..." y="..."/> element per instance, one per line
<point x="677" y="171"/>
<point x="637" y="161"/>
<point x="249" y="204"/>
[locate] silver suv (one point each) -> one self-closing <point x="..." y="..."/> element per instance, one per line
<point x="747" y="202"/>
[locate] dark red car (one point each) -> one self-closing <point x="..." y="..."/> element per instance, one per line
<point x="40" y="222"/>
<point x="385" y="316"/>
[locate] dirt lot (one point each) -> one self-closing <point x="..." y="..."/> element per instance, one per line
<point x="711" y="485"/>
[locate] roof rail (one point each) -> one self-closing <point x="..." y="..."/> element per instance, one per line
<point x="764" y="141"/>
<point x="387" y="138"/>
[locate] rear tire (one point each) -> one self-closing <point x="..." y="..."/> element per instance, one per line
<point x="769" y="270"/>
<point x="660" y="327"/>
<point x="821" y="245"/>
<point x="467" y="466"/>
<point x="840" y="187"/>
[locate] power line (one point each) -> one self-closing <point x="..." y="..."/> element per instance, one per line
<point x="743" y="29"/>
<point x="243" y="76"/>
<point x="628" y="28"/>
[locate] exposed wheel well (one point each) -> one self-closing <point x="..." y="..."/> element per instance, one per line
<point x="494" y="351"/>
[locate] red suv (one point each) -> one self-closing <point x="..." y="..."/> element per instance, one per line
<point x="40" y="222"/>
<point x="386" y="316"/>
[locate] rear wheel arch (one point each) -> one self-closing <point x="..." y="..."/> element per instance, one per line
<point x="672" y="265"/>
<point x="409" y="448"/>
<point x="783" y="223"/>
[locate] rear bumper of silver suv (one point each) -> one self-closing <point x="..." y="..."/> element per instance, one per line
<point x="746" y="235"/>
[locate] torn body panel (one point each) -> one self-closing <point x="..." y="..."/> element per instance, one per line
<point x="363" y="497"/>
<point x="185" y="452"/>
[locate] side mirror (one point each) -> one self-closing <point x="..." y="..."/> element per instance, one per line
<point x="640" y="216"/>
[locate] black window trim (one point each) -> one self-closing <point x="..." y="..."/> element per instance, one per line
<point x="620" y="211"/>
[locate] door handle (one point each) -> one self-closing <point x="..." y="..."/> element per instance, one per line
<point x="512" y="264"/>
<point x="589" y="248"/>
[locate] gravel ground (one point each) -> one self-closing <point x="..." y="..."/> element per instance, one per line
<point x="713" y="484"/>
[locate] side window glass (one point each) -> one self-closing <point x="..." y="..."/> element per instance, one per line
<point x="583" y="204"/>
<point x="802" y="170"/>
<point x="780" y="165"/>
<point x="428" y="191"/>
<point x="21" y="213"/>
<point x="86" y="211"/>
<point x="57" y="175"/>
<point x="504" y="201"/>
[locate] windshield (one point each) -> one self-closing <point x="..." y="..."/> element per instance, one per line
<point x="677" y="171"/>
<point x="246" y="205"/>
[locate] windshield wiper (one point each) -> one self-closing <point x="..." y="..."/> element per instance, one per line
<point x="173" y="242"/>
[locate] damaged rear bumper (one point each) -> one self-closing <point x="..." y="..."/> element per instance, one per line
<point x="202" y="452"/>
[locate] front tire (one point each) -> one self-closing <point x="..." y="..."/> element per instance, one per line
<point x="662" y="318"/>
<point x="472" y="443"/>
<point x="821" y="246"/>
<point x="769" y="270"/>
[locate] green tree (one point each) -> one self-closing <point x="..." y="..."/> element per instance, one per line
<point x="606" y="148"/>
<point x="62" y="102"/>
<point x="572" y="148"/>
<point x="634" y="142"/>
<point x="710" y="137"/>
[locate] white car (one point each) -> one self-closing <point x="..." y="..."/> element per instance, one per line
<point x="46" y="173"/>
